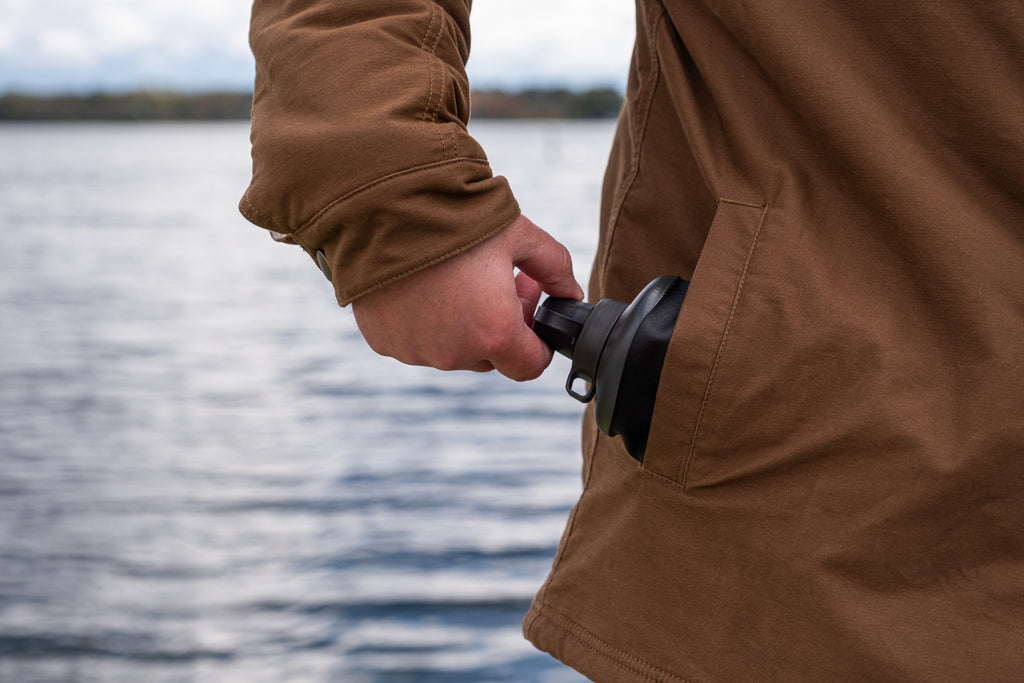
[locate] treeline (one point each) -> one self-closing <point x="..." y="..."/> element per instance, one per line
<point x="212" y="106"/>
<point x="539" y="103"/>
<point x="133" y="106"/>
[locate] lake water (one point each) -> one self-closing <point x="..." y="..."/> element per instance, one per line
<point x="206" y="476"/>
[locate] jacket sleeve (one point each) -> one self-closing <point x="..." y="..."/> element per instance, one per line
<point x="359" y="141"/>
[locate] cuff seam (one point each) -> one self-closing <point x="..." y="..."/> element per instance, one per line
<point x="327" y="208"/>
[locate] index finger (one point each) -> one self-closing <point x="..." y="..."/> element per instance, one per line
<point x="545" y="260"/>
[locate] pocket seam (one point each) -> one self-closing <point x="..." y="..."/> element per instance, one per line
<point x="691" y="454"/>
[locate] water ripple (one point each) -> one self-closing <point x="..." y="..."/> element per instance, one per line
<point x="206" y="475"/>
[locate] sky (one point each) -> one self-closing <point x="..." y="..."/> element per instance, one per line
<point x="49" y="46"/>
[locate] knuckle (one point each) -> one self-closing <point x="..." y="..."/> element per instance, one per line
<point x="565" y="258"/>
<point x="448" y="362"/>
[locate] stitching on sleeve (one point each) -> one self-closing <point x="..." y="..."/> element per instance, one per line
<point x="430" y="27"/>
<point x="369" y="186"/>
<point x="427" y="116"/>
<point x="445" y="151"/>
<point x="431" y="108"/>
<point x="249" y="208"/>
<point x="436" y="81"/>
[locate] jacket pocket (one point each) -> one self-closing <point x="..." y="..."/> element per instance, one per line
<point x="700" y="339"/>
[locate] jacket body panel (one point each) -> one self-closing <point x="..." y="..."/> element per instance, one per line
<point x="831" y="485"/>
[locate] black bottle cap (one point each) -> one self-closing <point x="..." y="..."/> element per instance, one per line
<point x="559" y="322"/>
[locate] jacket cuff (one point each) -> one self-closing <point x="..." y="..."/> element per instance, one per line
<point x="403" y="223"/>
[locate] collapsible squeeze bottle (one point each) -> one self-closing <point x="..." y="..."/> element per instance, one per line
<point x="617" y="351"/>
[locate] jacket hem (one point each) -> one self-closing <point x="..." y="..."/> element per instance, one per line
<point x="579" y="648"/>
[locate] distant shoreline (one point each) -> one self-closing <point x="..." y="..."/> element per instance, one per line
<point x="160" y="105"/>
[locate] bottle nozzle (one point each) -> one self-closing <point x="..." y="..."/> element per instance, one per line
<point x="559" y="323"/>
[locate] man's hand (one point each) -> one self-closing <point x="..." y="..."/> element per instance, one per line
<point x="470" y="312"/>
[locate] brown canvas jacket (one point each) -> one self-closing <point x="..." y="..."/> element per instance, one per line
<point x="834" y="481"/>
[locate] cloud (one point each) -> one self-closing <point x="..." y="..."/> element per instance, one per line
<point x="62" y="44"/>
<point x="53" y="45"/>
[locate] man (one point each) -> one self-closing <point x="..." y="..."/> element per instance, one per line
<point x="832" y="482"/>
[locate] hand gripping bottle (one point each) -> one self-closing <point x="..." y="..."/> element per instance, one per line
<point x="617" y="351"/>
